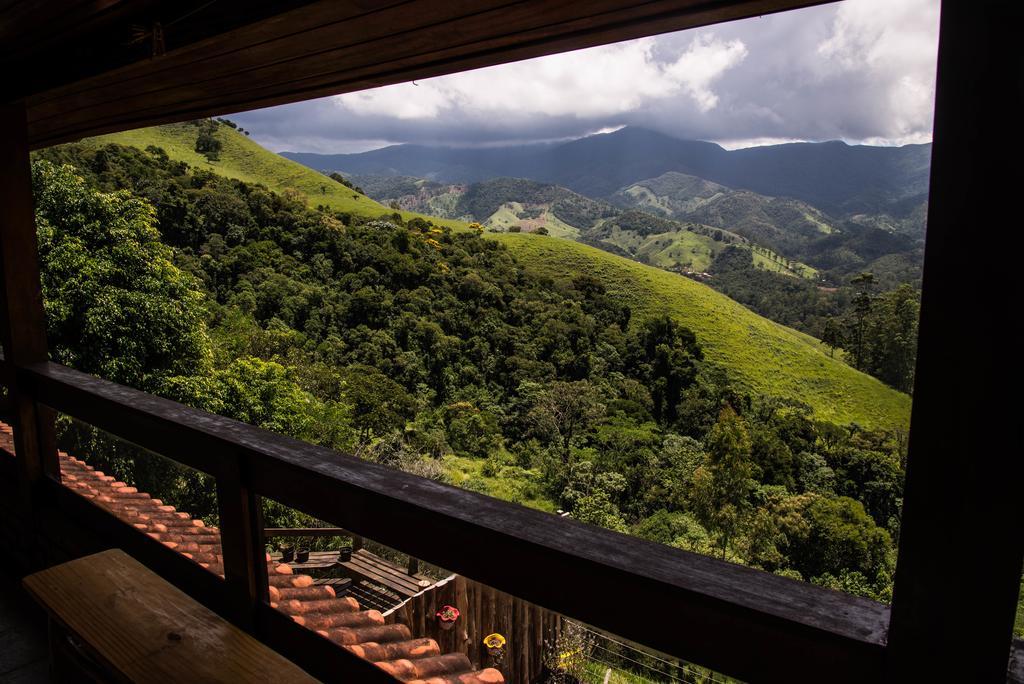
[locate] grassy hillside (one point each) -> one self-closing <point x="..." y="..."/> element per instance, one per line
<point x="246" y="160"/>
<point x="764" y="356"/>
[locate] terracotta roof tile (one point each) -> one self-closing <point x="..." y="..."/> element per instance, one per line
<point x="341" y="619"/>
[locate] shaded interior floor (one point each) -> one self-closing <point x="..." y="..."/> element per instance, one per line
<point x="23" y="651"/>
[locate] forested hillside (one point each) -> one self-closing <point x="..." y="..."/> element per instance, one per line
<point x="700" y="228"/>
<point x="538" y="370"/>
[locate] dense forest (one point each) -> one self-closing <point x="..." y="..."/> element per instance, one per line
<point x="432" y="351"/>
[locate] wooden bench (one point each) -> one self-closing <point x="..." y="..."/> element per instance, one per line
<point x="115" y="620"/>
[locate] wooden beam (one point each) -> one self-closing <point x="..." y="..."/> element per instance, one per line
<point x="961" y="543"/>
<point x="241" y="534"/>
<point x="333" y="47"/>
<point x="788" y="630"/>
<point x="23" y="324"/>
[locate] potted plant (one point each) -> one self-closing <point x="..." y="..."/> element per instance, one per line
<point x="302" y="555"/>
<point x="287" y="553"/>
<point x="495" y="644"/>
<point x="447" y="616"/>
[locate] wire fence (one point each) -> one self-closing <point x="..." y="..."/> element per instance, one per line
<point x="631" y="661"/>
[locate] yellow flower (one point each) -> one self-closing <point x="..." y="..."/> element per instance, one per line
<point x="494" y="641"/>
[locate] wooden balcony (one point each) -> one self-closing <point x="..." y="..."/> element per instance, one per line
<point x="961" y="547"/>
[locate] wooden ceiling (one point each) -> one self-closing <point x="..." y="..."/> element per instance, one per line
<point x="85" y="67"/>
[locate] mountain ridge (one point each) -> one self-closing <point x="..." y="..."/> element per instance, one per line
<point x="835" y="177"/>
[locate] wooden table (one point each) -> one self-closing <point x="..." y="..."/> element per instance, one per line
<point x="365" y="565"/>
<point x="125" y="623"/>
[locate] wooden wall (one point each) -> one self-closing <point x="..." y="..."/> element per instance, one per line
<point x="484" y="610"/>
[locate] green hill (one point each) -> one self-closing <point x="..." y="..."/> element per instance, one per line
<point x="764" y="356"/>
<point x="244" y="159"/>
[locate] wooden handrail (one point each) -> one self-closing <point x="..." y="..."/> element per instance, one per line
<point x="741" y="621"/>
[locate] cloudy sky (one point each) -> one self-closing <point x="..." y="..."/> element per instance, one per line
<point x="859" y="70"/>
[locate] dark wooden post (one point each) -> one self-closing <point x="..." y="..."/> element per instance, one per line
<point x="962" y="541"/>
<point x="241" y="533"/>
<point x="23" y="324"/>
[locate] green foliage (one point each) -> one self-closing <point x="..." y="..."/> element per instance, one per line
<point x="116" y="305"/>
<point x="207" y="143"/>
<point x="724" y="486"/>
<point x="539" y="372"/>
<point x="665" y="356"/>
<point x="760" y="356"/>
<point x="841" y="538"/>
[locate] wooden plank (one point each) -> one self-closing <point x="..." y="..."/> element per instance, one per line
<point x="147" y="630"/>
<point x="789" y="629"/>
<point x="263" y="72"/>
<point x="367" y="571"/>
<point x="955" y="588"/>
<point x="389" y="570"/>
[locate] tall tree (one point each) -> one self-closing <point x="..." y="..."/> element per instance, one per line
<point x="667" y="356"/>
<point x="723" y="487"/>
<point x="564" y="410"/>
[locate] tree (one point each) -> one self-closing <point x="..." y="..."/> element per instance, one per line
<point x="890" y="334"/>
<point x="564" y="410"/>
<point x="832" y="335"/>
<point x="723" y="487"/>
<point x="261" y="393"/>
<point x="840" y="537"/>
<point x="590" y="495"/>
<point x="862" y="299"/>
<point x="116" y="305"/>
<point x="207" y="143"/>
<point x="379" y="405"/>
<point x="667" y="356"/>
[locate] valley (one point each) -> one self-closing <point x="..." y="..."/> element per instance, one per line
<point x="517" y="345"/>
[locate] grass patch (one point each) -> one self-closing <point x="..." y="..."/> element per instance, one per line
<point x="246" y="160"/>
<point x="502" y="481"/>
<point x="762" y="356"/>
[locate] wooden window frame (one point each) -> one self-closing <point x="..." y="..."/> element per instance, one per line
<point x="952" y="613"/>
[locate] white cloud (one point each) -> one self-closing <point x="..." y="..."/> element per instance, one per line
<point x="702" y="64"/>
<point x="596" y="82"/>
<point x="857" y="70"/>
<point x="892" y="46"/>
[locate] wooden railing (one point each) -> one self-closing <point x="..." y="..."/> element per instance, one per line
<point x="706" y="607"/>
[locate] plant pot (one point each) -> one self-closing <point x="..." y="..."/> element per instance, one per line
<point x="287" y="553"/>
<point x="302" y="555"/>
<point x="345" y="555"/>
<point x="447" y="617"/>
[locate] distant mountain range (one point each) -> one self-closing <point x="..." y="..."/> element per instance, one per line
<point x="671" y="240"/>
<point x="839" y="179"/>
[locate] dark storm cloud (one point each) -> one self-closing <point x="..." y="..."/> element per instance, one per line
<point x="861" y="70"/>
